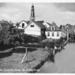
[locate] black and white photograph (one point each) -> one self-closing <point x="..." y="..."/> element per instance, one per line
<point x="37" y="37"/>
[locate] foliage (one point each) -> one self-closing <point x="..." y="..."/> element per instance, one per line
<point x="9" y="35"/>
<point x="51" y="44"/>
<point x="4" y="33"/>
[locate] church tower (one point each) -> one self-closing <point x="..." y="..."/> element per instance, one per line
<point x="32" y="16"/>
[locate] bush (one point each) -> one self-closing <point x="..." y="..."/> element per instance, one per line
<point x="9" y="35"/>
<point x="17" y="43"/>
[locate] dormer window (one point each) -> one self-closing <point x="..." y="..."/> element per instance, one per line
<point x="52" y="28"/>
<point x="22" y="25"/>
<point x="31" y="25"/>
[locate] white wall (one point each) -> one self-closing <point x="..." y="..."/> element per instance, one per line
<point x="33" y="30"/>
<point x="55" y="34"/>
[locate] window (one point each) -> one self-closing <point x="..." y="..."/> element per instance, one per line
<point x="48" y="34"/>
<point x="31" y="25"/>
<point x="52" y="33"/>
<point x="57" y="33"/>
<point x="22" y="25"/>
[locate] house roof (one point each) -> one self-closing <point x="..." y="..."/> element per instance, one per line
<point x="64" y="30"/>
<point x="39" y="24"/>
<point x="73" y="27"/>
<point x="48" y="23"/>
<point x="40" y="21"/>
<point x="53" y="24"/>
<point x="56" y="29"/>
<point x="72" y="30"/>
<point x="25" y="21"/>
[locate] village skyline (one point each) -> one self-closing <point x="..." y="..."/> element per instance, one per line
<point x="37" y="37"/>
<point x="60" y="13"/>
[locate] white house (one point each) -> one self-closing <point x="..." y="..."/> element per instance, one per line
<point x="53" y="31"/>
<point x="22" y="24"/>
<point x="35" y="28"/>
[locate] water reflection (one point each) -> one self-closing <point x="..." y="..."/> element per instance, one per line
<point x="48" y="67"/>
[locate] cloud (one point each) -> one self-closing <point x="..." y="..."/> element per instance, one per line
<point x="2" y="4"/>
<point x="15" y="11"/>
<point x="61" y="13"/>
<point x="66" y="6"/>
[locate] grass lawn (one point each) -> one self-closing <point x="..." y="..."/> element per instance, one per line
<point x="12" y="63"/>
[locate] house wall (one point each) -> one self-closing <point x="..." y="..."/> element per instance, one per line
<point x="20" y="25"/>
<point x="55" y="34"/>
<point x="33" y="30"/>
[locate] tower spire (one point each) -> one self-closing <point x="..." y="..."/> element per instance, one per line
<point x="32" y="16"/>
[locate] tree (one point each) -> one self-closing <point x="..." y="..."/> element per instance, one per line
<point x="17" y="24"/>
<point x="9" y="35"/>
<point x="4" y="33"/>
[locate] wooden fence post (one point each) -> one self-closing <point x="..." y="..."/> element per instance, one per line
<point x="25" y="56"/>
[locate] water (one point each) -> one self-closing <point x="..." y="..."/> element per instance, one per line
<point x="64" y="61"/>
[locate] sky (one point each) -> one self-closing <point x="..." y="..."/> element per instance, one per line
<point x="60" y="13"/>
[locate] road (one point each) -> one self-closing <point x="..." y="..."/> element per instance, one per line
<point x="64" y="61"/>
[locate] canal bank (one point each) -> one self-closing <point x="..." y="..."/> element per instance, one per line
<point x="64" y="61"/>
<point x="35" y="59"/>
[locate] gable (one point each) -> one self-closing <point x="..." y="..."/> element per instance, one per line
<point x="22" y="24"/>
<point x="33" y="27"/>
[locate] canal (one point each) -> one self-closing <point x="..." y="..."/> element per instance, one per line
<point x="64" y="61"/>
